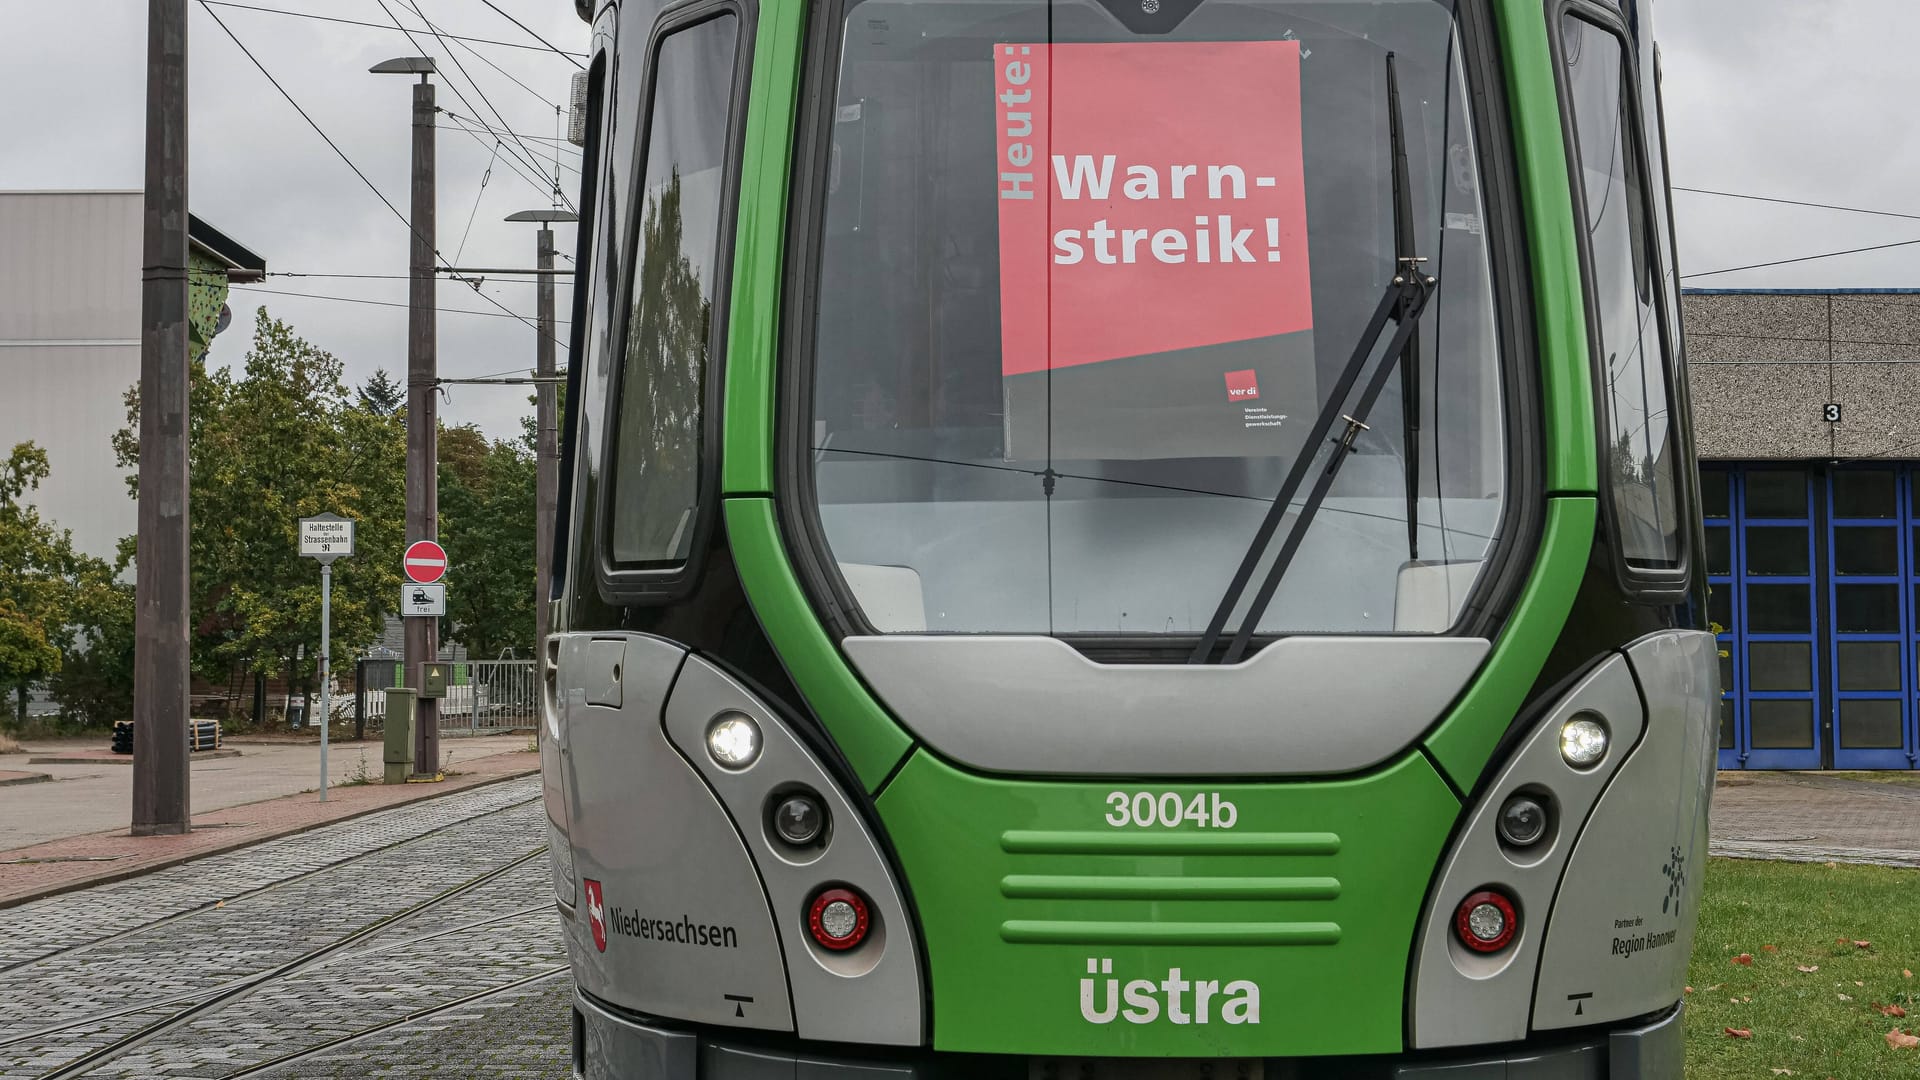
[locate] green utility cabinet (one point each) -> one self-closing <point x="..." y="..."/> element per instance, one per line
<point x="398" y="736"/>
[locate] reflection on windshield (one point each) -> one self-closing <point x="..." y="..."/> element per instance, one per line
<point x="1082" y="291"/>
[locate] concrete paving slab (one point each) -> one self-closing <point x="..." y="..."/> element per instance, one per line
<point x="1815" y="817"/>
<point x="10" y="777"/>
<point x="108" y="757"/>
<point x="72" y="861"/>
<point x="97" y="796"/>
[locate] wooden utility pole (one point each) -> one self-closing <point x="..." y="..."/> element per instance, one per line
<point x="546" y="428"/>
<point x="161" y="803"/>
<point x="423" y="451"/>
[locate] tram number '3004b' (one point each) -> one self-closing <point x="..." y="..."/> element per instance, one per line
<point x="1170" y="809"/>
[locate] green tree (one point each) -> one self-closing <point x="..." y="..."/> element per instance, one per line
<point x="487" y="527"/>
<point x="382" y="394"/>
<point x="280" y="441"/>
<point x="37" y="570"/>
<point x="94" y="685"/>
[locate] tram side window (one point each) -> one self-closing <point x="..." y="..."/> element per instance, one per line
<point x="659" y="429"/>
<point x="1641" y="443"/>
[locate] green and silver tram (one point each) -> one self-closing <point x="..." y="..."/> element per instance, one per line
<point x="1127" y="538"/>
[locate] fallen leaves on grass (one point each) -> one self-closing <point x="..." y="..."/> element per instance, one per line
<point x="1890" y="1010"/>
<point x="1906" y="972"/>
<point x="1747" y="1033"/>
<point x="1744" y="959"/>
<point x="1844" y="997"/>
<point x="1897" y="1039"/>
<point x="1806" y="969"/>
<point x="1781" y="1072"/>
<point x="1769" y="948"/>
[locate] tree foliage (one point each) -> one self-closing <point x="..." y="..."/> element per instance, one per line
<point x="281" y="440"/>
<point x="382" y="394"/>
<point x="487" y="527"/>
<point x="47" y="589"/>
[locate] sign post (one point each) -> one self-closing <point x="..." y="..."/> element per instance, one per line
<point x="325" y="538"/>
<point x="424" y="596"/>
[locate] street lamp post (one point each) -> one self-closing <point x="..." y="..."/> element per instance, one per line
<point x="546" y="429"/>
<point x="423" y="495"/>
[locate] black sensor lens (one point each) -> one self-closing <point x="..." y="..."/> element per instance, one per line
<point x="1523" y="821"/>
<point x="799" y="819"/>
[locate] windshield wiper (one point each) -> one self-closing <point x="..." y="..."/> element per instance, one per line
<point x="1403" y="240"/>
<point x="1405" y="298"/>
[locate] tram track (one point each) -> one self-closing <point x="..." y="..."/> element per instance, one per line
<point x="239" y="988"/>
<point x="182" y="999"/>
<point x="416" y="1015"/>
<point x="221" y="902"/>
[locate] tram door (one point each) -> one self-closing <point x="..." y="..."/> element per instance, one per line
<point x="1813" y="578"/>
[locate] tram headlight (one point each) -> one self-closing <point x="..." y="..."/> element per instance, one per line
<point x="1583" y="742"/>
<point x="733" y="740"/>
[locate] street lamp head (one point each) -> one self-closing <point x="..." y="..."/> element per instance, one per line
<point x="544" y="215"/>
<point x="405" y="65"/>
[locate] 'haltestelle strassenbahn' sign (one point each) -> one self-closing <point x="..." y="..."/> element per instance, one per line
<point x="326" y="537"/>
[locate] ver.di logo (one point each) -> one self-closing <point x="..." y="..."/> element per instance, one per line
<point x="596" y="913"/>
<point x="1243" y="385"/>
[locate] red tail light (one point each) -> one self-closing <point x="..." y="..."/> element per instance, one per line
<point x="838" y="919"/>
<point x="1486" y="921"/>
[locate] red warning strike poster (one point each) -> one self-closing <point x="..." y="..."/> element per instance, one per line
<point x="1153" y="248"/>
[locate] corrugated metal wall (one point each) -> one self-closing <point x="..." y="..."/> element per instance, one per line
<point x="69" y="348"/>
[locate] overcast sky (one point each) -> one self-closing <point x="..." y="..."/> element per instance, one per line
<point x="72" y="98"/>
<point x="1764" y="97"/>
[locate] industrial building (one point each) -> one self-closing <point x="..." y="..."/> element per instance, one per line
<point x="1807" y="409"/>
<point x="70" y="341"/>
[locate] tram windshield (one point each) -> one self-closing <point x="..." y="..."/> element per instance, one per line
<point x="1087" y="271"/>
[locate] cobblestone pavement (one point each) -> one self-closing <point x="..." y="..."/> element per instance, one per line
<point x="421" y="941"/>
<point x="1810" y="817"/>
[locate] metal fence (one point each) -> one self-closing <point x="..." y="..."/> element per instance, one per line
<point x="482" y="696"/>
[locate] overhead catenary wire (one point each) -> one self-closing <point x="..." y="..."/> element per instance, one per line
<point x="568" y="147"/>
<point x="390" y="303"/>
<point x="342" y="155"/>
<point x="534" y="36"/>
<point x="562" y="278"/>
<point x="512" y="162"/>
<point x="481" y="131"/>
<point x="1798" y="202"/>
<point x="1802" y="258"/>
<point x="525" y="154"/>
<point x="485" y="177"/>
<point x="533" y="158"/>
<point x="482" y="57"/>
<point x="382" y="26"/>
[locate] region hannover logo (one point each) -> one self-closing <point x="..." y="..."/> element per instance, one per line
<point x="597" y="913"/>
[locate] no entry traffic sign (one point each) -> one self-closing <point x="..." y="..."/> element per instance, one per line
<point x="425" y="562"/>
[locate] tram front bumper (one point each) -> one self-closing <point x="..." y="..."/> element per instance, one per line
<point x="607" y="1046"/>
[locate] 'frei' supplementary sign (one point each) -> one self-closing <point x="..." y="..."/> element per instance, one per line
<point x="1152" y="200"/>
